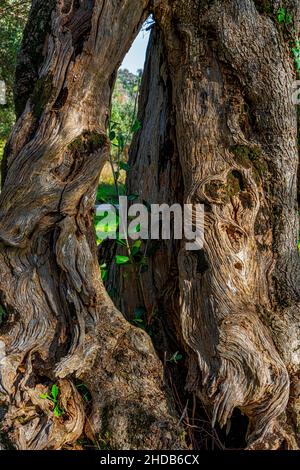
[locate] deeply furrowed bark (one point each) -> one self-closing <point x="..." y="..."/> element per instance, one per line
<point x="230" y="74"/>
<point x="61" y="325"/>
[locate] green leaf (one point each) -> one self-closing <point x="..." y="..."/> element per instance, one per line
<point x="57" y="411"/>
<point x="113" y="124"/>
<point x="121" y="141"/>
<point x="112" y="136"/>
<point x="45" y="396"/>
<point x="281" y="14"/>
<point x="136" y="126"/>
<point x="176" y="357"/>
<point x="54" y="391"/>
<point x="122" y="259"/>
<point x="124" y="166"/>
<point x="136" y="247"/>
<point x="288" y="19"/>
<point x="104" y="274"/>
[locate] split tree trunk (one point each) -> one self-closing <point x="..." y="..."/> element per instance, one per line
<point x="221" y="75"/>
<point x="217" y="95"/>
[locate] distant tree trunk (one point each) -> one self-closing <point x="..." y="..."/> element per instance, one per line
<point x="61" y="326"/>
<point x="219" y="128"/>
<point x="216" y="108"/>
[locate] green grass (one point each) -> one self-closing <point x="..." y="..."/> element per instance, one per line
<point x="107" y="192"/>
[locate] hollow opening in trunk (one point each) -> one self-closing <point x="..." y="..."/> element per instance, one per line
<point x="128" y="277"/>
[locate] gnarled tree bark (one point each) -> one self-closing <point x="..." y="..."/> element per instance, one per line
<point x="61" y="325"/>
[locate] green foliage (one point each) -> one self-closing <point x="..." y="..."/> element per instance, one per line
<point x="124" y="166"/>
<point x="136" y="126"/>
<point x="123" y="122"/>
<point x="285" y="18"/>
<point x="12" y="21"/>
<point x="122" y="259"/>
<point x="58" y="411"/>
<point x="104" y="272"/>
<point x="122" y="126"/>
<point x="296" y="55"/>
<point x="281" y="13"/>
<point x="105" y="230"/>
<point x="135" y="249"/>
<point x="106" y="192"/>
<point x="2" y="146"/>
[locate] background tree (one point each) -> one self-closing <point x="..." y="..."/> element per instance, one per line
<point x="13" y="16"/>
<point x="218" y="128"/>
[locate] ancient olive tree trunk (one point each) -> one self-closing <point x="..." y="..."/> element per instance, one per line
<point x="219" y="128"/>
<point x="216" y="107"/>
<point x="60" y="326"/>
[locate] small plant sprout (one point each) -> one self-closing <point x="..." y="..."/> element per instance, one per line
<point x="296" y="55"/>
<point x="286" y="19"/>
<point x="104" y="272"/>
<point x="175" y="358"/>
<point x="122" y="259"/>
<point x="139" y="317"/>
<point x="58" y="411"/>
